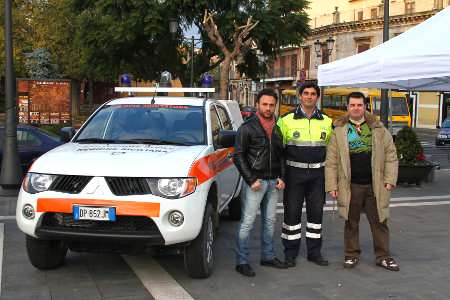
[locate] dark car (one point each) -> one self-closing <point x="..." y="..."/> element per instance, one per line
<point x="32" y="143"/>
<point x="443" y="136"/>
<point x="247" y="112"/>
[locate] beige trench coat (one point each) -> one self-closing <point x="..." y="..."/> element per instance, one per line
<point x="384" y="165"/>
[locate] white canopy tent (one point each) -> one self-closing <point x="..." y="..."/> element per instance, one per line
<point x="418" y="59"/>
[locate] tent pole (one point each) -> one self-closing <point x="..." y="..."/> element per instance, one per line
<point x="384" y="93"/>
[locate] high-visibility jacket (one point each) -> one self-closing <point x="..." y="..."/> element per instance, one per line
<point x="305" y="139"/>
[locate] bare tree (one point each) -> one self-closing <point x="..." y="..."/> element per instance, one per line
<point x="240" y="42"/>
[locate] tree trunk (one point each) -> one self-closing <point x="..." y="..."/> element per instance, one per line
<point x="91" y="93"/>
<point x="224" y="73"/>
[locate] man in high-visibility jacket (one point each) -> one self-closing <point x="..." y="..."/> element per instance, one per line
<point x="306" y="132"/>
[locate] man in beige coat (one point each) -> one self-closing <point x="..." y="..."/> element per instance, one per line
<point x="360" y="171"/>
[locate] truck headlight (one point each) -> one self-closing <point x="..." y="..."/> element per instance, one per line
<point x="172" y="188"/>
<point x="35" y="182"/>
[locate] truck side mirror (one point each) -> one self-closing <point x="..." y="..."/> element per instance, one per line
<point x="226" y="138"/>
<point x="67" y="134"/>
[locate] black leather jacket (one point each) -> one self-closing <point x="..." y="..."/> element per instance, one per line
<point x="256" y="156"/>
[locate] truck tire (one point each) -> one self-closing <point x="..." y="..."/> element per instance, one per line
<point x="234" y="208"/>
<point x="199" y="254"/>
<point x="45" y="254"/>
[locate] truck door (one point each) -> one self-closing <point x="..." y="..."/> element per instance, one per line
<point x="227" y="174"/>
<point x="230" y="175"/>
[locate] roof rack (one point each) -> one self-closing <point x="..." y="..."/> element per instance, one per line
<point x="162" y="90"/>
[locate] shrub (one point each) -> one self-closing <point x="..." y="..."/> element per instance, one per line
<point x="409" y="149"/>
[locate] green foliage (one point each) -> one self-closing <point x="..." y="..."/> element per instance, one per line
<point x="104" y="38"/>
<point x="125" y="37"/>
<point x="281" y="23"/>
<point x="408" y="147"/>
<point x="39" y="65"/>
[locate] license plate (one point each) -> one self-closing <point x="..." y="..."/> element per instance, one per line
<point x="94" y="213"/>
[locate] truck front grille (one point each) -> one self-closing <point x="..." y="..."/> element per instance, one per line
<point x="72" y="184"/>
<point x="124" y="186"/>
<point x="123" y="224"/>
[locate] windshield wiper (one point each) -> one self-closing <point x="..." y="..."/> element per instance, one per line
<point x="159" y="142"/>
<point x="105" y="141"/>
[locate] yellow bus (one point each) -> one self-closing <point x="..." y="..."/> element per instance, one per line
<point x="334" y="104"/>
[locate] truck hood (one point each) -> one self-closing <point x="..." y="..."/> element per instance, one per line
<point x="121" y="160"/>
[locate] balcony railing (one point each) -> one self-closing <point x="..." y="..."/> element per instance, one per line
<point x="281" y="72"/>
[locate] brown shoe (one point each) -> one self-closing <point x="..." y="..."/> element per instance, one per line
<point x="350" y="262"/>
<point x="389" y="263"/>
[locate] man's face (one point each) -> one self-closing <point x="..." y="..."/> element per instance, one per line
<point x="308" y="98"/>
<point x="266" y="106"/>
<point x="356" y="108"/>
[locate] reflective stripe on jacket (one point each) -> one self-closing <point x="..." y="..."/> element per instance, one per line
<point x="305" y="139"/>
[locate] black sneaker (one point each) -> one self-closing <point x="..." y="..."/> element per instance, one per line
<point x="245" y="270"/>
<point x="290" y="262"/>
<point x="318" y="260"/>
<point x="274" y="263"/>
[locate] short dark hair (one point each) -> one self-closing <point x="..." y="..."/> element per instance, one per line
<point x="309" y="85"/>
<point x="266" y="92"/>
<point x="357" y="95"/>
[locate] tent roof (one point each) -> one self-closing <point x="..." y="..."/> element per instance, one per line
<point x="418" y="59"/>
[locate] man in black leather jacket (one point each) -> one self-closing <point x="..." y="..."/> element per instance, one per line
<point x="259" y="159"/>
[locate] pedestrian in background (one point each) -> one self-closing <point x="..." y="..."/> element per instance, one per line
<point x="259" y="159"/>
<point x="361" y="170"/>
<point x="306" y="132"/>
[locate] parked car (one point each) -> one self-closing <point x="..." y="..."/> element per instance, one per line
<point x="141" y="172"/>
<point x="247" y="112"/>
<point x="443" y="136"/>
<point x="32" y="143"/>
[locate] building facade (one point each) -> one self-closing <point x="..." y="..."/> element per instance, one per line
<point x="356" y="26"/>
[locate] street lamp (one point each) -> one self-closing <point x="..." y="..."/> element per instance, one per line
<point x="173" y="28"/>
<point x="11" y="174"/>
<point x="384" y="110"/>
<point x="318" y="48"/>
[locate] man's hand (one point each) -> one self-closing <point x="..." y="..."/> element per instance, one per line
<point x="334" y="194"/>
<point x="389" y="186"/>
<point x="256" y="186"/>
<point x="280" y="184"/>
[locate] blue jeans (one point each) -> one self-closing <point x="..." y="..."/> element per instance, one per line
<point x="266" y="198"/>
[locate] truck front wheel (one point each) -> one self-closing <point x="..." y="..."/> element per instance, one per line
<point x="199" y="255"/>
<point x="45" y="254"/>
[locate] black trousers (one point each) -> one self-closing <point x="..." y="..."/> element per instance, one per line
<point x="303" y="185"/>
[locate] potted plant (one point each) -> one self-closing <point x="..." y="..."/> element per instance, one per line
<point x="413" y="166"/>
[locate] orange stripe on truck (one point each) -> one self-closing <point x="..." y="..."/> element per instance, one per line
<point x="124" y="208"/>
<point x="209" y="166"/>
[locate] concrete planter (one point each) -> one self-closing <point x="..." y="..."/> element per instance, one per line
<point x="414" y="174"/>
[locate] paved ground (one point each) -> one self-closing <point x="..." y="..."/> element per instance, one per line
<point x="420" y="231"/>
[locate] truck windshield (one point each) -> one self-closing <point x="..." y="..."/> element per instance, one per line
<point x="147" y="124"/>
<point x="399" y="107"/>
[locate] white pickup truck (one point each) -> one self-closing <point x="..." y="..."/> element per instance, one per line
<point x="142" y="171"/>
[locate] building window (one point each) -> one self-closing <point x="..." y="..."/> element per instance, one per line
<point x="306" y="58"/>
<point x="410" y="7"/>
<point x="439" y="4"/>
<point x="293" y="65"/>
<point x="360" y="15"/>
<point x="282" y="66"/>
<point x="374" y="13"/>
<point x="362" y="45"/>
